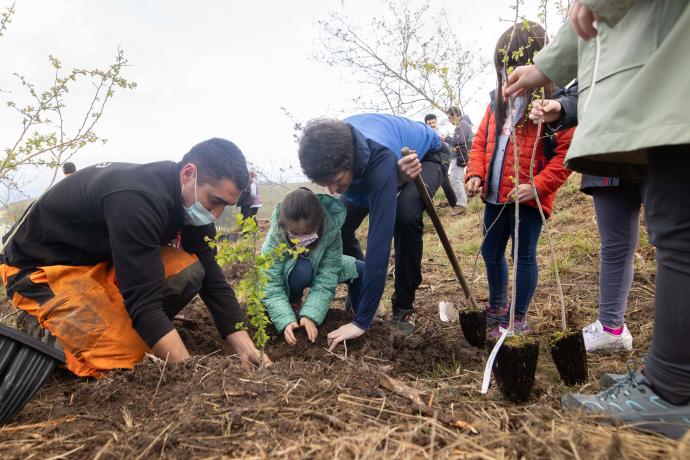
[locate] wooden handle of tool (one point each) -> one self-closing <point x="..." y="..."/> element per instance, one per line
<point x="429" y="205"/>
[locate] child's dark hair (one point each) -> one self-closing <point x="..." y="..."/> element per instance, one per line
<point x="302" y="204"/>
<point x="516" y="47"/>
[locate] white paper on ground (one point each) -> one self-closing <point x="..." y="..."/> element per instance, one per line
<point x="448" y="312"/>
<point x="490" y="362"/>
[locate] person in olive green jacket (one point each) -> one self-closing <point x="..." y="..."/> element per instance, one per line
<point x="311" y="221"/>
<point x="632" y="61"/>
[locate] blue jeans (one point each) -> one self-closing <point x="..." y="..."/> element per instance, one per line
<point x="301" y="278"/>
<point x="494" y="248"/>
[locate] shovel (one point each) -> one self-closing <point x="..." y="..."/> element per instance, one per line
<point x="474" y="337"/>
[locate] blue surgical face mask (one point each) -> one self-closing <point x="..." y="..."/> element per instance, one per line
<point x="197" y="215"/>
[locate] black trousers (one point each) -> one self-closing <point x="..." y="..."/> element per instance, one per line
<point x="667" y="212"/>
<point x="408" y="232"/>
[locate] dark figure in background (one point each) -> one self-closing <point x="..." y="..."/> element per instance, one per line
<point x="69" y="168"/>
<point x="431" y="122"/>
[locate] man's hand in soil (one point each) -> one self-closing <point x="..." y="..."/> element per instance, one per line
<point x="310" y="327"/>
<point x="289" y="333"/>
<point x="524" y="78"/>
<point x="346" y="332"/>
<point x="409" y="167"/>
<point x="246" y="351"/>
<point x="547" y="110"/>
<point x="171" y="348"/>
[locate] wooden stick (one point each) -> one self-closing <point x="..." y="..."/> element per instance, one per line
<point x="415" y="396"/>
<point x="429" y="205"/>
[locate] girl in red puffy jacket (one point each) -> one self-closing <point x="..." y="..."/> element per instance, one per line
<point x="491" y="168"/>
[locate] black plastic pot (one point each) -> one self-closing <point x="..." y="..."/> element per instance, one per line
<point x="570" y="356"/>
<point x="515" y="366"/>
<point x="473" y="325"/>
<point x="25" y="364"/>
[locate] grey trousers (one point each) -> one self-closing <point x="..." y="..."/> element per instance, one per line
<point x="667" y="212"/>
<point x="618" y="220"/>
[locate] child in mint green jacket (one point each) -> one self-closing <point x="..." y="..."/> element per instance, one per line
<point x="314" y="220"/>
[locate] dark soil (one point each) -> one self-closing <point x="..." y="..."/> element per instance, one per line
<point x="570" y="356"/>
<point x="515" y="367"/>
<point x="473" y="325"/>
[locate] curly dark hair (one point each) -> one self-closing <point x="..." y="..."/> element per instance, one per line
<point x="326" y="149"/>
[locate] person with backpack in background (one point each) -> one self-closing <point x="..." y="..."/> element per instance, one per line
<point x="492" y="168"/>
<point x="460" y="144"/>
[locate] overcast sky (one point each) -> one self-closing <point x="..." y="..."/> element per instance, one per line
<point x="207" y="69"/>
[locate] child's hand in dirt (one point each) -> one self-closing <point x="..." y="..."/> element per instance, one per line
<point x="473" y="185"/>
<point x="289" y="333"/>
<point x="343" y="333"/>
<point x="525" y="192"/>
<point x="310" y="327"/>
<point x="547" y="110"/>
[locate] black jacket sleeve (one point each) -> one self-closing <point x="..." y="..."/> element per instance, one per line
<point x="135" y="225"/>
<point x="216" y="293"/>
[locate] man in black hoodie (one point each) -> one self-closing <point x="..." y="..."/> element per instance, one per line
<point x="105" y="259"/>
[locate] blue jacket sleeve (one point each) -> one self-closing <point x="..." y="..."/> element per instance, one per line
<point x="382" y="184"/>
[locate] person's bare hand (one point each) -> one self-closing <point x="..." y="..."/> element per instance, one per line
<point x="343" y="333"/>
<point x="525" y="192"/>
<point x="289" y="333"/>
<point x="524" y="78"/>
<point x="582" y="20"/>
<point x="473" y="185"/>
<point x="247" y="351"/>
<point x="409" y="167"/>
<point x="547" y="110"/>
<point x="310" y="327"/>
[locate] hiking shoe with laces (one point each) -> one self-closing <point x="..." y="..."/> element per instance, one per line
<point x="608" y="380"/>
<point x="403" y="320"/>
<point x="633" y="401"/>
<point x="597" y="339"/>
<point x="494" y="315"/>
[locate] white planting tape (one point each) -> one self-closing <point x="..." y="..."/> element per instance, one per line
<point x="490" y="362"/>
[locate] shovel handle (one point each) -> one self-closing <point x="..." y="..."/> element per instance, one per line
<point x="429" y="205"/>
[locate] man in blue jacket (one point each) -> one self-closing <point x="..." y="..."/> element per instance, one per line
<point x="360" y="158"/>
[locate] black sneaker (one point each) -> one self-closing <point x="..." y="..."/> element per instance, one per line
<point x="28" y="324"/>
<point x="404" y="320"/>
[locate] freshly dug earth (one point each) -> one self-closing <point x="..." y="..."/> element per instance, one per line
<point x="316" y="404"/>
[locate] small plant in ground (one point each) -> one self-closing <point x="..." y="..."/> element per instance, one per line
<point x="251" y="286"/>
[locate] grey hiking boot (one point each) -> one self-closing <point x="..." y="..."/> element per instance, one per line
<point x="404" y="320"/>
<point x="608" y="380"/>
<point x="633" y="401"/>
